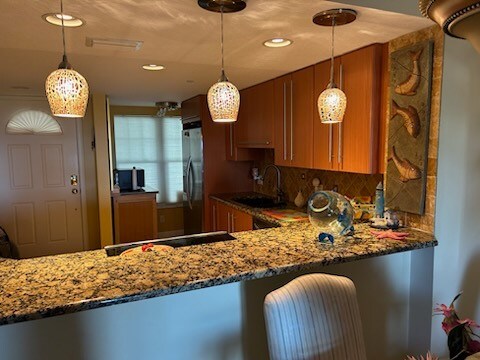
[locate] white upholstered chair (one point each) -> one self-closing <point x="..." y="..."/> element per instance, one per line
<point x="314" y="317"/>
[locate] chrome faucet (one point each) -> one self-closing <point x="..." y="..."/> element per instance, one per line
<point x="260" y="178"/>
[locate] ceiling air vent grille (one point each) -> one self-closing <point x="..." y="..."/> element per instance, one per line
<point x="120" y="43"/>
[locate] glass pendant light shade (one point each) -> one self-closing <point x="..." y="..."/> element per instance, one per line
<point x="67" y="93"/>
<point x="332" y="103"/>
<point x="223" y="101"/>
<point x="66" y="89"/>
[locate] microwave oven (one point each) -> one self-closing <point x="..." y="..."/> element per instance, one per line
<point x="125" y="179"/>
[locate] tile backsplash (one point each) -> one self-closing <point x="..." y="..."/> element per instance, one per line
<point x="295" y="179"/>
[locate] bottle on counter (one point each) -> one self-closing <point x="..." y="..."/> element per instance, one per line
<point x="134" y="179"/>
<point x="116" y="187"/>
<point x="379" y="201"/>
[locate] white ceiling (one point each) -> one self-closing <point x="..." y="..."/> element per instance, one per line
<point x="181" y="36"/>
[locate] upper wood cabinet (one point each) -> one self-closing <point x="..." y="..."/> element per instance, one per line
<point x="294" y="118"/>
<point x="382" y="123"/>
<point x="351" y="146"/>
<point x="232" y="151"/>
<point x="255" y="125"/>
<point x="191" y="108"/>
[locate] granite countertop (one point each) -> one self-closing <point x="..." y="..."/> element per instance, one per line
<point x="53" y="285"/>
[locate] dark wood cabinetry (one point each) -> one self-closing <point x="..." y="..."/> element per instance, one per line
<point x="351" y="146"/>
<point x="294" y="118"/>
<point x="255" y="125"/>
<point x="230" y="219"/>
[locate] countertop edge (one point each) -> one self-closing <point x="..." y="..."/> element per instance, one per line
<point x="201" y="284"/>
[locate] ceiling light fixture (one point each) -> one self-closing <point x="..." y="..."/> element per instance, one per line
<point x="66" y="89"/>
<point x="153" y="67"/>
<point x="68" y="20"/>
<point x="332" y="102"/>
<point x="277" y="42"/>
<point x="223" y="97"/>
<point x="165" y="106"/>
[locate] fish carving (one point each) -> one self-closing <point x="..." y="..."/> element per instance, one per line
<point x="411" y="121"/>
<point x="407" y="170"/>
<point x="410" y="85"/>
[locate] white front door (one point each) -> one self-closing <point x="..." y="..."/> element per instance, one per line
<point x="40" y="205"/>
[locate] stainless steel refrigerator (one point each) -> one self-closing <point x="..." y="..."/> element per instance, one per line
<point x="192" y="177"/>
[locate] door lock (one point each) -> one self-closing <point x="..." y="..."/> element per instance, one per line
<point x="74" y="191"/>
<point x="73" y="180"/>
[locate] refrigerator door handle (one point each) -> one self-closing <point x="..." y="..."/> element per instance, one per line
<point x="191" y="185"/>
<point x="187" y="182"/>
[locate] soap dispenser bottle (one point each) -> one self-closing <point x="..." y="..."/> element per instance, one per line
<point x="379" y="201"/>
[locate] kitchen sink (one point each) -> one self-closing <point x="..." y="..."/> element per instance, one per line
<point x="178" y="241"/>
<point x="261" y="202"/>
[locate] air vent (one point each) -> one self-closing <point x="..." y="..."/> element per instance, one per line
<point x="120" y="43"/>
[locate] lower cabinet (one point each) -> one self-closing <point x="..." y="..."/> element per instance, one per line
<point x="135" y="217"/>
<point x="230" y="219"/>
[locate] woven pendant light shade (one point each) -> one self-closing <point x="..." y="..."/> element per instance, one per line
<point x="223" y="102"/>
<point x="332" y="103"/>
<point x="67" y="93"/>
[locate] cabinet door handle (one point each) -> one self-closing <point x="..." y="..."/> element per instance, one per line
<point x="291" y="120"/>
<point x="284" y="121"/>
<point x="228" y="222"/>
<point x="254" y="142"/>
<point x="340" y="135"/>
<point x="231" y="140"/>
<point x="233" y="223"/>
<point x="330" y="140"/>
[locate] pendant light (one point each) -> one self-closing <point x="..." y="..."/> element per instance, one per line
<point x="332" y="102"/>
<point x="223" y="97"/>
<point x="66" y="89"/>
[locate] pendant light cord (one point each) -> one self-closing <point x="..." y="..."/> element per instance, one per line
<point x="221" y="25"/>
<point x="63" y="29"/>
<point x="333" y="47"/>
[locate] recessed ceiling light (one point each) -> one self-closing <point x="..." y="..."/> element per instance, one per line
<point x="68" y="20"/>
<point x="153" y="67"/>
<point x="277" y="42"/>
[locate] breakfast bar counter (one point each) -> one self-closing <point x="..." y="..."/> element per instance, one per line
<point x="54" y="285"/>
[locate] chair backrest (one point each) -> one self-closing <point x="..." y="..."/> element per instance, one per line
<point x="314" y="317"/>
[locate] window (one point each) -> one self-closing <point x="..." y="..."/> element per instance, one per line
<point x="155" y="145"/>
<point x="33" y="122"/>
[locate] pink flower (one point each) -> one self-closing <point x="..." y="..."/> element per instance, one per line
<point x="468" y="322"/>
<point x="429" y="356"/>
<point x="444" y="309"/>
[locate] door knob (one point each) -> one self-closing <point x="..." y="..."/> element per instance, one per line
<point x="74" y="191"/>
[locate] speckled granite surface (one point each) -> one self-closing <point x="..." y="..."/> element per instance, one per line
<point x="48" y="286"/>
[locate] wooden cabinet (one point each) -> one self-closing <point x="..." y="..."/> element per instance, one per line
<point x="294" y="118"/>
<point x="382" y="123"/>
<point x="191" y="108"/>
<point x="351" y="146"/>
<point x="255" y="125"/>
<point x="230" y="219"/>
<point x="135" y="217"/>
<point x="232" y="151"/>
<point x="358" y="134"/>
